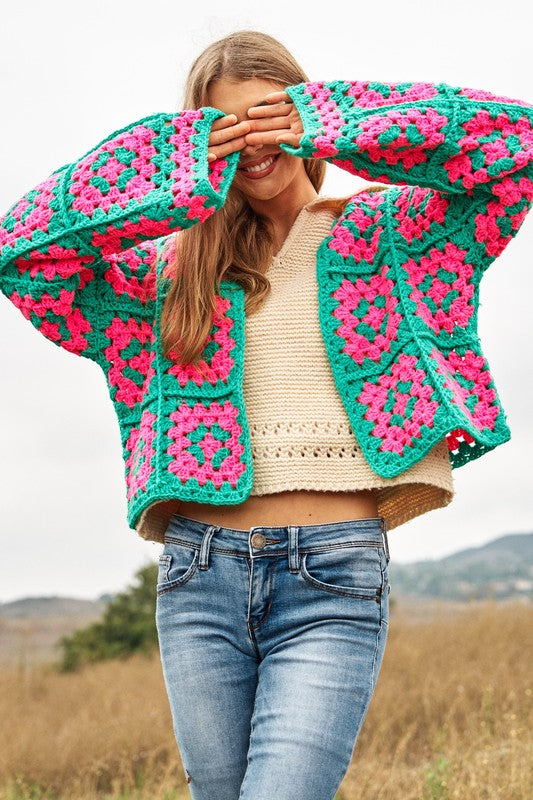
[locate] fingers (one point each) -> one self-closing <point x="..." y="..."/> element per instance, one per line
<point x="266" y="123"/>
<point x="277" y="97"/>
<point x="265" y="131"/>
<point x="276" y="136"/>
<point x="269" y="124"/>
<point x="224" y="134"/>
<point x="262" y="137"/>
<point x="288" y="138"/>
<point x="227" y="137"/>
<point x="282" y="109"/>
<point x="221" y="150"/>
<point x="223" y="122"/>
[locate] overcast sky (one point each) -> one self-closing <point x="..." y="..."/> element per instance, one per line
<point x="70" y="74"/>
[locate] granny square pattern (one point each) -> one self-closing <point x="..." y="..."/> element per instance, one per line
<point x="86" y="256"/>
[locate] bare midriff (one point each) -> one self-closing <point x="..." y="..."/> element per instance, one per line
<point x="298" y="507"/>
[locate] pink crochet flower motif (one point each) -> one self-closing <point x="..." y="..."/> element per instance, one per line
<point x="218" y="364"/>
<point x="127" y="168"/>
<point x="508" y="193"/>
<point x="115" y="173"/>
<point x="480" y="94"/>
<point x="31" y="213"/>
<point x="412" y="135"/>
<point x="116" y="240"/>
<point x="495" y="139"/>
<point x="416" y="209"/>
<point x="206" y="443"/>
<point x="131" y="272"/>
<point x="331" y="118"/>
<point x="216" y="170"/>
<point x="469" y="368"/>
<point x="369" y="321"/>
<point x="131" y="348"/>
<point x="329" y="108"/>
<point x="442" y="288"/>
<point x="57" y="262"/>
<point x="366" y="215"/>
<point x="141" y="451"/>
<point x="366" y="94"/>
<point x="399" y="404"/>
<point x="60" y="318"/>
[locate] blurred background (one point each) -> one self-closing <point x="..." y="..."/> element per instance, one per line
<point x="72" y="73"/>
<point x="452" y="713"/>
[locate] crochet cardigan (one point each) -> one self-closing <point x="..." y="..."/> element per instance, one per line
<point x="398" y="277"/>
<point x="300" y="434"/>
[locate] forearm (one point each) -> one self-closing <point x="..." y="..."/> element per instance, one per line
<point x="434" y="135"/>
<point x="84" y="236"/>
<point x="141" y="182"/>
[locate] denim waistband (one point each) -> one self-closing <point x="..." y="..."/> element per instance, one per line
<point x="265" y="540"/>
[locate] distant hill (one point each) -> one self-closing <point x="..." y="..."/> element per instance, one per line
<point x="499" y="570"/>
<point x="51" y="606"/>
<point x="31" y="626"/>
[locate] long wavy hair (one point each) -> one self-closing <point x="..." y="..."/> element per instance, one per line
<point x="235" y="243"/>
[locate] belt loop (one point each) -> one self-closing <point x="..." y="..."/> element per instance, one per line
<point x="203" y="562"/>
<point x="385" y="538"/>
<point x="293" y="548"/>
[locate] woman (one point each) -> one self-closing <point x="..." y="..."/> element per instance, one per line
<point x="272" y="472"/>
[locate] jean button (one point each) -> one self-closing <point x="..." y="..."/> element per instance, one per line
<point x="258" y="540"/>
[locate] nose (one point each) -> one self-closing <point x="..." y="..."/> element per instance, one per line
<point x="251" y="149"/>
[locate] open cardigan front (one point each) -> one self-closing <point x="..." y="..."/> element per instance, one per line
<point x="85" y="257"/>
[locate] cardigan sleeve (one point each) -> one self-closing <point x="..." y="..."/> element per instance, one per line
<point x="402" y="267"/>
<point x="88" y="235"/>
<point x="423" y="134"/>
<point x="463" y="157"/>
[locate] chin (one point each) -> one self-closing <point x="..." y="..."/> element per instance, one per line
<point x="265" y="192"/>
<point x="267" y="188"/>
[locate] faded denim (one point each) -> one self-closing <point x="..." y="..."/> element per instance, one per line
<point x="271" y="643"/>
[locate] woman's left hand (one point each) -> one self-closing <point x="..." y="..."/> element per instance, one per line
<point x="276" y="121"/>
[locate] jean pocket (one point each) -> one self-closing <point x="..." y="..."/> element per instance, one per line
<point x="177" y="564"/>
<point x="358" y="571"/>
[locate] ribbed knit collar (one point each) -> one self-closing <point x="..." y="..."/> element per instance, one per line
<point x="297" y="225"/>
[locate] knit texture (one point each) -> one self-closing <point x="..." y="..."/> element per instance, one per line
<point x="300" y="432"/>
<point x="399" y="274"/>
<point x="398" y="278"/>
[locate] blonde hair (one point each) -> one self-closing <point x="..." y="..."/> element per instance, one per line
<point x="235" y="243"/>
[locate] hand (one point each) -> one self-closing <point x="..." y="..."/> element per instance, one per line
<point x="226" y="137"/>
<point x="276" y="121"/>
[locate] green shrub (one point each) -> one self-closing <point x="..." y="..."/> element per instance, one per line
<point x="127" y="626"/>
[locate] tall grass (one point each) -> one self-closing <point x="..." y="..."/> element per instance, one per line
<point x="450" y="719"/>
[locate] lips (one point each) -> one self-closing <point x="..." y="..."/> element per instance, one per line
<point x="259" y="171"/>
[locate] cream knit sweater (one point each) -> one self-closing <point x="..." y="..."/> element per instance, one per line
<point x="300" y="432"/>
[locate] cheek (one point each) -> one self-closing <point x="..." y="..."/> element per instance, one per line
<point x="296" y="169"/>
<point x="290" y="165"/>
<point x="289" y="168"/>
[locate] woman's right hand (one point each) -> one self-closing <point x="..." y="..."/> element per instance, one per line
<point x="226" y="136"/>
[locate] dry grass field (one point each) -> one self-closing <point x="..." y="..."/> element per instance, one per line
<point x="451" y="719"/>
<point x="30" y="638"/>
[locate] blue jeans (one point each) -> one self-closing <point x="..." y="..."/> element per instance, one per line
<point x="271" y="643"/>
